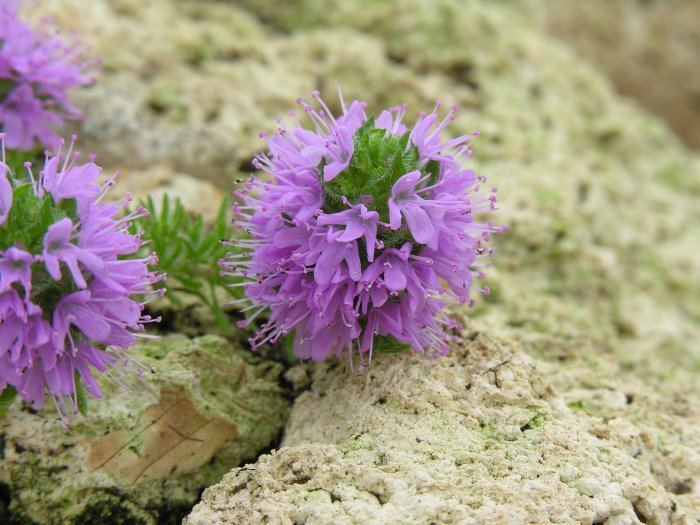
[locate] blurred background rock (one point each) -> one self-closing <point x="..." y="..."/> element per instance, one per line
<point x="649" y="48"/>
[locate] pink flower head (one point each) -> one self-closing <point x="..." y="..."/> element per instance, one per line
<point x="56" y="327"/>
<point x="58" y="247"/>
<point x="37" y="70"/>
<point x="361" y="231"/>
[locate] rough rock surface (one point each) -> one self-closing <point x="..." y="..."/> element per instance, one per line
<point x="478" y="437"/>
<point x="651" y="50"/>
<point x="595" y="292"/>
<point x="594" y="304"/>
<point x="143" y="456"/>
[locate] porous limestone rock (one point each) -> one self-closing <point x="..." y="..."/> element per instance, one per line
<point x="168" y="93"/>
<point x="143" y="456"/>
<point x="199" y="197"/>
<point x="477" y="437"/>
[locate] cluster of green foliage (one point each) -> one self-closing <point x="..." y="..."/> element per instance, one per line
<point x="378" y="161"/>
<point x="189" y="253"/>
<point x="31" y="216"/>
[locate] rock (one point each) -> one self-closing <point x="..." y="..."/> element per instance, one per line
<point x="477" y="437"/>
<point x="199" y="197"/>
<point x="649" y="50"/>
<point x="161" y="98"/>
<point x="143" y="456"/>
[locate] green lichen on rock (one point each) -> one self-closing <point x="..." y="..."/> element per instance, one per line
<point x="476" y="437"/>
<point x="597" y="277"/>
<point x="143" y="456"/>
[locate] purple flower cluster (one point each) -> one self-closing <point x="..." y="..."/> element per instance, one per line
<point x="36" y="71"/>
<point x="71" y="289"/>
<point x="361" y="233"/>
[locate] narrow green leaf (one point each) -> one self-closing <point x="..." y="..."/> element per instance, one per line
<point x="365" y="128"/>
<point x="388" y="345"/>
<point x="403" y="141"/>
<point x="398" y="167"/>
<point x="70" y="208"/>
<point x="6" y="398"/>
<point x="433" y="167"/>
<point x="81" y="395"/>
<point x="165" y="208"/>
<point x="46" y="216"/>
<point x="289" y="347"/>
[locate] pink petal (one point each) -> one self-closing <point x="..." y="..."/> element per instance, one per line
<point x="394" y="277"/>
<point x="332" y="170"/>
<point x="419" y="224"/>
<point x="327" y="263"/>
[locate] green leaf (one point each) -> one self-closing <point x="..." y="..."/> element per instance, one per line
<point x="222" y="220"/>
<point x="433" y="167"/>
<point x="188" y="250"/>
<point x="6" y="398"/>
<point x="288" y="346"/>
<point x="398" y="166"/>
<point x="403" y="141"/>
<point x="21" y="191"/>
<point x="81" y="395"/>
<point x="45" y="216"/>
<point x="388" y="345"/>
<point x="70" y="208"/>
<point x="365" y="128"/>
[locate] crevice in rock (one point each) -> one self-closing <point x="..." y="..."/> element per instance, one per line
<point x="463" y="72"/>
<point x="5" y="498"/>
<point x="682" y="486"/>
<point x="641" y="517"/>
<point x="381" y="498"/>
<point x="302" y="478"/>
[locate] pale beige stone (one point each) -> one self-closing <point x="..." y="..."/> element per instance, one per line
<point x="416" y="440"/>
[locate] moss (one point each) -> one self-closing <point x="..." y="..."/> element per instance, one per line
<point x="168" y="98"/>
<point x="539" y="418"/>
<point x="577" y="406"/>
<point x="50" y="473"/>
<point x="358" y="443"/>
<point x="111" y="510"/>
<point x="19" y="517"/>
